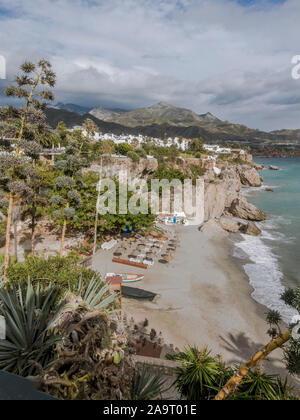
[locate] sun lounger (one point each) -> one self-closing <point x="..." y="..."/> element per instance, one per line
<point x="106" y="246"/>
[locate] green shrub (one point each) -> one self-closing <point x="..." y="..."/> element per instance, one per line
<point x="141" y="152"/>
<point x="239" y="161"/>
<point x="2" y="229"/>
<point x="124" y="148"/>
<point x="28" y="311"/>
<point x="133" y="156"/>
<point x="147" y="385"/>
<point x="200" y="374"/>
<point x="197" y="171"/>
<point x="63" y="272"/>
<point x="164" y="173"/>
<point x="259" y="386"/>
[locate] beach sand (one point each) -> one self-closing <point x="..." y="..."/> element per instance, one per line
<point x="204" y="299"/>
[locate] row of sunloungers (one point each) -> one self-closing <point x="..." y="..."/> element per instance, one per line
<point x="146" y="252"/>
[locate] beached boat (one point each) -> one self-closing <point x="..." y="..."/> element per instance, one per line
<point x="126" y="278"/>
<point x="139" y="294"/>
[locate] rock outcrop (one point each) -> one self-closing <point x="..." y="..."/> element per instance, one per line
<point x="242" y="209"/>
<point x="251" y="229"/>
<point x="220" y="192"/>
<point x="212" y="227"/>
<point x="258" y="167"/>
<point x="115" y="167"/>
<point x="229" y="224"/>
<point x="273" y="168"/>
<point x="250" y="177"/>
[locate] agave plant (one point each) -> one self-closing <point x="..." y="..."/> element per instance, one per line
<point x="199" y="373"/>
<point x="259" y="386"/>
<point x="29" y="316"/>
<point x="147" y="385"/>
<point x="96" y="294"/>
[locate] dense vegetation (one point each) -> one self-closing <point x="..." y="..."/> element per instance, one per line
<point x="71" y="344"/>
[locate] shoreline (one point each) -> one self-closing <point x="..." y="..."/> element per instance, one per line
<point x="204" y="299"/>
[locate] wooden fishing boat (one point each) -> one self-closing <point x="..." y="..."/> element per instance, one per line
<point x="139" y="294"/>
<point x="126" y="278"/>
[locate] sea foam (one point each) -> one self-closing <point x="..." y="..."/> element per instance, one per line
<point x="264" y="274"/>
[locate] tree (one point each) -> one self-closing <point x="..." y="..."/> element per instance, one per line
<point x="90" y="127"/>
<point x="64" y="203"/>
<point x="66" y="198"/>
<point x="124" y="148"/>
<point x="62" y="132"/>
<point x="196" y="145"/>
<point x="107" y="147"/>
<point x="31" y="87"/>
<point x="290" y="339"/>
<point x="34" y="204"/>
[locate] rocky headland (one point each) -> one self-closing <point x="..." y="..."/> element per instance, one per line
<point x="224" y="200"/>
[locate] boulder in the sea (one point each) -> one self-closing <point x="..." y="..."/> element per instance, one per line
<point x="258" y="167"/>
<point x="273" y="168"/>
<point x="229" y="224"/>
<point x="251" y="229"/>
<point x="242" y="209"/>
<point x="269" y="189"/>
<point x="250" y="177"/>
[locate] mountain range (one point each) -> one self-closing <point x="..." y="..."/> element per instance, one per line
<point x="165" y="119"/>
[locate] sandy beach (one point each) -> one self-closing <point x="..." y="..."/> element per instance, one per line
<point x="204" y="298"/>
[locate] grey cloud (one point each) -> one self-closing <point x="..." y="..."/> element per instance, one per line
<point x="207" y="55"/>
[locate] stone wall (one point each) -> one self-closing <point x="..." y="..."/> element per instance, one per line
<point x="163" y="366"/>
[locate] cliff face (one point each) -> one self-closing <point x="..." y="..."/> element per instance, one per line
<point x="120" y="168"/>
<point x="222" y="191"/>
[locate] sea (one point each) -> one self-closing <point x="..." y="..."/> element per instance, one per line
<point x="272" y="261"/>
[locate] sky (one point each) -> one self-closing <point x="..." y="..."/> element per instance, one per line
<point x="228" y="57"/>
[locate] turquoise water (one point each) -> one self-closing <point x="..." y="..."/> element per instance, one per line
<point x="275" y="256"/>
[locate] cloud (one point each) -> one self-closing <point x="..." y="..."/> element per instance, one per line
<point x="223" y="56"/>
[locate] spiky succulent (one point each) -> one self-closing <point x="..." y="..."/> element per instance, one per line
<point x="20" y="188"/>
<point x="8" y="161"/>
<point x="64" y="182"/>
<point x="69" y="212"/>
<point x="61" y="165"/>
<point x="4" y="203"/>
<point x="73" y="195"/>
<point x="31" y="148"/>
<point x="58" y="200"/>
<point x="56" y="214"/>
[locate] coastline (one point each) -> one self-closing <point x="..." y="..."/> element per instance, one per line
<point x="204" y="299"/>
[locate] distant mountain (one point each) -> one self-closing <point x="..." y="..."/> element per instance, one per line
<point x="72" y="108"/>
<point x="211" y="129"/>
<point x="209" y="117"/>
<point x="105" y="114"/>
<point x="161" y="113"/>
<point x="72" y="119"/>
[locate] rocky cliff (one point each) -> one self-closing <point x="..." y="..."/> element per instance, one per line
<point x="223" y="191"/>
<point x="122" y="167"/>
